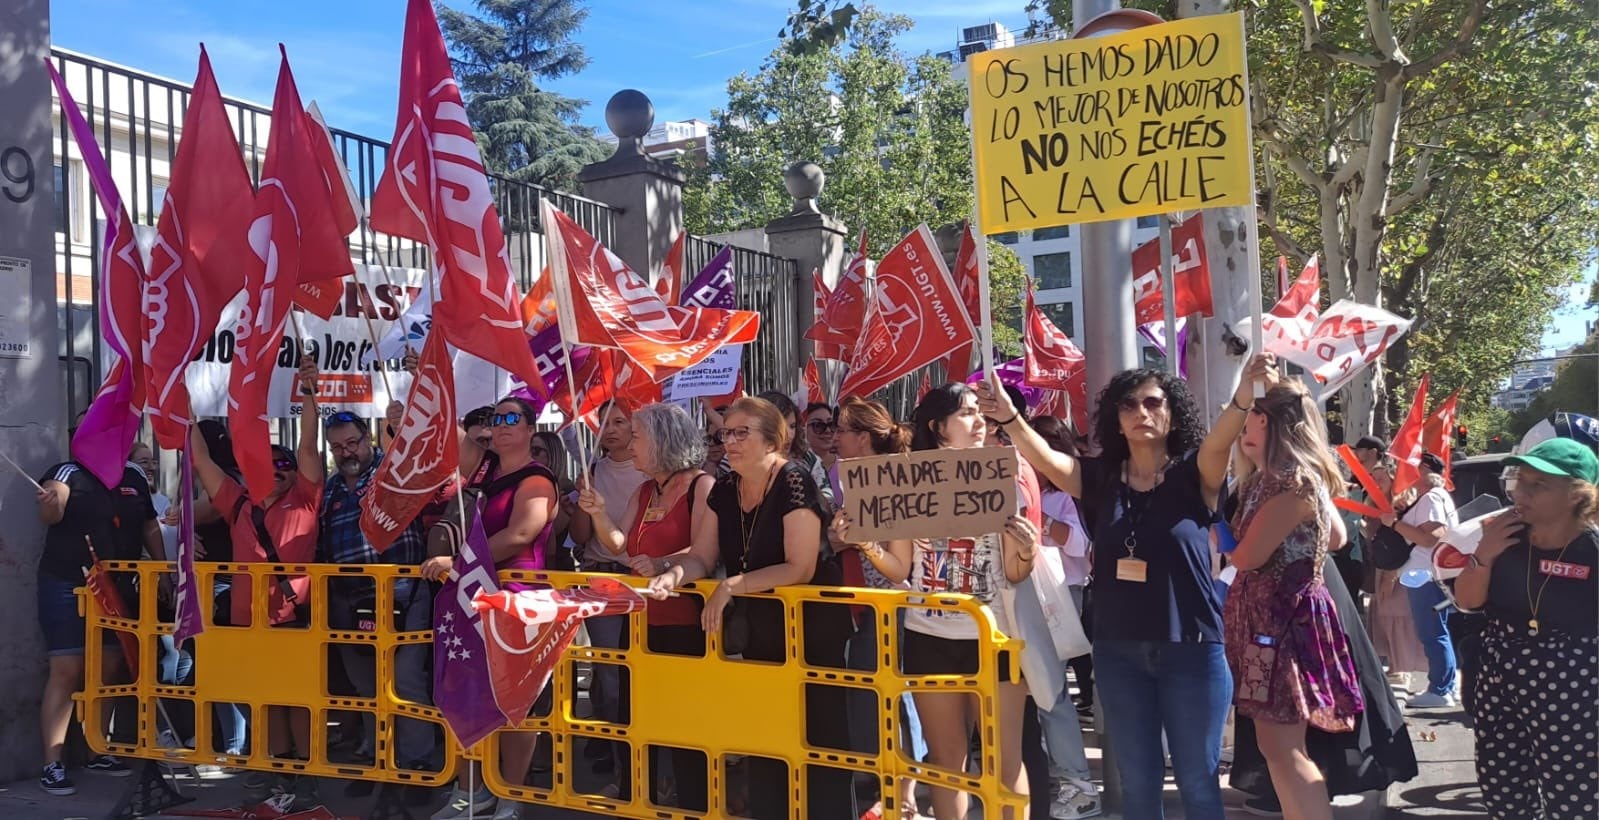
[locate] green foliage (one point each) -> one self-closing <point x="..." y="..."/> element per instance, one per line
<point x="1007" y="288"/>
<point x="817" y="25"/>
<point x="500" y="55"/>
<point x="1576" y="390"/>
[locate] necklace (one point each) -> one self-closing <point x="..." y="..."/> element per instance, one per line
<point x="1534" y="603"/>
<point x="748" y="519"/>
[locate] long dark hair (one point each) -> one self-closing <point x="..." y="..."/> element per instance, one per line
<point x="939" y="404"/>
<point x="1187" y="429"/>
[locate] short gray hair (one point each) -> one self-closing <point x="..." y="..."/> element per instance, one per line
<point x="679" y="442"/>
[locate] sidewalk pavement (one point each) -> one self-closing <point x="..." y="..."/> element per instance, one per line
<point x="1445" y="789"/>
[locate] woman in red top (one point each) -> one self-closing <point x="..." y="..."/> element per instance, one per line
<point x="660" y="521"/>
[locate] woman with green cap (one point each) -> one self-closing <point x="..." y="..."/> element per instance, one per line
<point x="1536" y="575"/>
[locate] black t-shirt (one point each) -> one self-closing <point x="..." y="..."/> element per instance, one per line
<point x="112" y="519"/>
<point x="754" y="540"/>
<point x="1569" y="602"/>
<point x="1177" y="601"/>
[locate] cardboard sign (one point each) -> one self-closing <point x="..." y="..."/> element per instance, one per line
<point x="930" y="494"/>
<point x="1149" y="121"/>
<point x="716" y="376"/>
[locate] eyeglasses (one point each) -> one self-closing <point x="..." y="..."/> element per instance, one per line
<point x="287" y="465"/>
<point x="1130" y="404"/>
<point x="736" y="434"/>
<point x="713" y="440"/>
<point x="822" y="428"/>
<point x="512" y="419"/>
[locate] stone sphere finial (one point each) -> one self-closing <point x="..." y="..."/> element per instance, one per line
<point x="630" y="115"/>
<point x="804" y="181"/>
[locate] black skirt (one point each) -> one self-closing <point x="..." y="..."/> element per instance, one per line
<point x="1377" y="753"/>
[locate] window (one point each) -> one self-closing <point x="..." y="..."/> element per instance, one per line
<point x="72" y="197"/>
<point x="1061" y="232"/>
<point x="158" y="198"/>
<point x="1061" y="314"/>
<point x="1052" y="271"/>
<point x="60" y="182"/>
<point x="1149" y="222"/>
<point x="1153" y="358"/>
<point x="1005" y="238"/>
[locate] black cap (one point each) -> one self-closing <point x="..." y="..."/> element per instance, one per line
<point x="1371" y="443"/>
<point x="1433" y="462"/>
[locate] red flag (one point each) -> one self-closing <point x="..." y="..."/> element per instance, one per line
<point x="916" y="317"/>
<point x="526" y="633"/>
<point x="105" y="594"/>
<point x="102" y="441"/>
<point x="1282" y="276"/>
<point x="425" y="452"/>
<point x="814" y="394"/>
<point x="1407" y="446"/>
<point x="602" y="303"/>
<point x="844" y="315"/>
<point x="292" y="229"/>
<point x="925" y="387"/>
<point x="818" y="332"/>
<point x="670" y="285"/>
<point x="320" y="292"/>
<point x="968" y="280"/>
<point x="195" y="267"/>
<point x="1050" y="360"/>
<point x="1304" y="293"/>
<point x="1438" y="433"/>
<point x="434" y="190"/>
<point x="1190" y="273"/>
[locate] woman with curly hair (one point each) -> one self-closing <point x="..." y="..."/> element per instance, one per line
<point x="1150" y="499"/>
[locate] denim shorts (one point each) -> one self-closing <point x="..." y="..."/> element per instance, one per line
<point x="63" y="627"/>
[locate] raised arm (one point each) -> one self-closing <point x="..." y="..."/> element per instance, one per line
<point x="1062" y="470"/>
<point x="312" y="466"/>
<point x="1215" y="453"/>
<point x="210" y="475"/>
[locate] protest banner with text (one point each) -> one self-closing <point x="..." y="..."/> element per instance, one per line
<point x="1149" y="121"/>
<point x="930" y="494"/>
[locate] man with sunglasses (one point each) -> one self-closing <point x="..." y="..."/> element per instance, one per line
<point x="353" y="601"/>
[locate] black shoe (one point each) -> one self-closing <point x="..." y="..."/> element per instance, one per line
<point x="55" y="781"/>
<point x="1266" y="805"/>
<point x="106" y="764"/>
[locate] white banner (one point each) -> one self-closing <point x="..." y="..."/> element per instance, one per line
<point x="716" y="376"/>
<point x="1347" y="338"/>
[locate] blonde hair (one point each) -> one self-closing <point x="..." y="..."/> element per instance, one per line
<point x="768" y="420"/>
<point x="1296" y="437"/>
<point x="1587" y="508"/>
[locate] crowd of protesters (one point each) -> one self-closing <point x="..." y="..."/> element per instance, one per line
<point x="1219" y="584"/>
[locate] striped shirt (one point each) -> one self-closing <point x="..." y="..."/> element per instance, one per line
<point x="341" y="541"/>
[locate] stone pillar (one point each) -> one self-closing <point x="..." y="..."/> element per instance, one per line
<point x="814" y="240"/>
<point x="647" y="192"/>
<point x="30" y="386"/>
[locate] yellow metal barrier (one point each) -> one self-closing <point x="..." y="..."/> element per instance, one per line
<point x="724" y="708"/>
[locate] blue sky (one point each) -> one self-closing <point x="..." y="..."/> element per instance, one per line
<point x="346" y="54"/>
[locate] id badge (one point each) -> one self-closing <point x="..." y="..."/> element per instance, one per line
<point x="653" y="514"/>
<point x="1132" y="569"/>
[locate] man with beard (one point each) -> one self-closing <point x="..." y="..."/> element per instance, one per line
<point x="353" y="601"/>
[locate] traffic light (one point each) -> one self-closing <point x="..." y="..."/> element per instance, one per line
<point x="1460" y="436"/>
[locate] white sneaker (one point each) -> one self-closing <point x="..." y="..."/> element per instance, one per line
<point x="1430" y="700"/>
<point x="1076" y="799"/>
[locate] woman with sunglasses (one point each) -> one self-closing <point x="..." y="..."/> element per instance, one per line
<point x="518" y="510"/>
<point x="658" y="522"/>
<point x="1536" y="575"/>
<point x="763" y="522"/>
<point x="941" y="642"/>
<point x="1149" y="500"/>
<point x="821" y="437"/>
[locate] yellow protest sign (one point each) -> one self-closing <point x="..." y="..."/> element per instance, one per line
<point x="1144" y="122"/>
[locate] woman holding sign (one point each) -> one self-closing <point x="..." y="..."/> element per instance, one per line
<point x="1150" y="499"/>
<point x="941" y="642"/>
<point x="1536" y="575"/>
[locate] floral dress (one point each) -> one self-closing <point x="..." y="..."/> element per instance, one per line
<point x="1288" y="651"/>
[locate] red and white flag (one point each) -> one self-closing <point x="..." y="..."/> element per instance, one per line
<point x="826" y="348"/>
<point x="527" y="632"/>
<point x="424" y="454"/>
<point x="1407" y="445"/>
<point x="292" y="229"/>
<point x="321" y="294"/>
<point x="1050" y="360"/>
<point x="1345" y="340"/>
<point x="968" y="281"/>
<point x="670" y="285"/>
<point x="434" y="190"/>
<point x="844" y="314"/>
<point x="1438" y="434"/>
<point x="916" y="318"/>
<point x="814" y="394"/>
<point x="102" y="441"/>
<point x="1190" y="274"/>
<point x="196" y="261"/>
<point x="925" y="387"/>
<point x="1291" y="321"/>
<point x="603" y="303"/>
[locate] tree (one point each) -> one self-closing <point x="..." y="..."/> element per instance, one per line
<point x="500" y="55"/>
<point x="1440" y="156"/>
<point x="1575" y="390"/>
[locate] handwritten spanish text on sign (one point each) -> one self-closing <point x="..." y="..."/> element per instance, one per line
<point x="1144" y="122"/>
<point x="930" y="494"/>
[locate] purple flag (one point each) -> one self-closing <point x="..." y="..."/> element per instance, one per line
<point x="461" y="685"/>
<point x="189" y="623"/>
<point x="1155" y="332"/>
<point x="713" y="287"/>
<point x="102" y="442"/>
<point x="550" y="356"/>
<point x="1013" y="373"/>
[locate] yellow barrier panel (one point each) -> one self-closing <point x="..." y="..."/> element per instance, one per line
<point x="725" y="710"/>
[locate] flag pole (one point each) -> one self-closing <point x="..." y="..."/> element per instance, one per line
<point x="1257" y="338"/>
<point x="556" y="259"/>
<point x="1168" y="293"/>
<point x="22" y="472"/>
<point x="377" y="363"/>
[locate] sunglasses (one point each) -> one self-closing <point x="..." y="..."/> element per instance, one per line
<point x="820" y="427"/>
<point x="285" y="464"/>
<point x="512" y="419"/>
<point x="713" y="440"/>
<point x="735" y="434"/>
<point x="341" y="417"/>
<point x="1130" y="404"/>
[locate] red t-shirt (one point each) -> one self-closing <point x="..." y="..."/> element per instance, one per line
<point x="658" y="539"/>
<point x="292" y="523"/>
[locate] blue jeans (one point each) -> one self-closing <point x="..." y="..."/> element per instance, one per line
<point x="1432" y="629"/>
<point x="1184" y="689"/>
<point x="1063" y="737"/>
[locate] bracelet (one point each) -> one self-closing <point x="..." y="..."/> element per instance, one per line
<point x="1233" y="403"/>
<point x="1014" y="416"/>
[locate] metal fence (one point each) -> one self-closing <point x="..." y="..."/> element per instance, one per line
<point x="769" y="285"/>
<point x="137" y="118"/>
